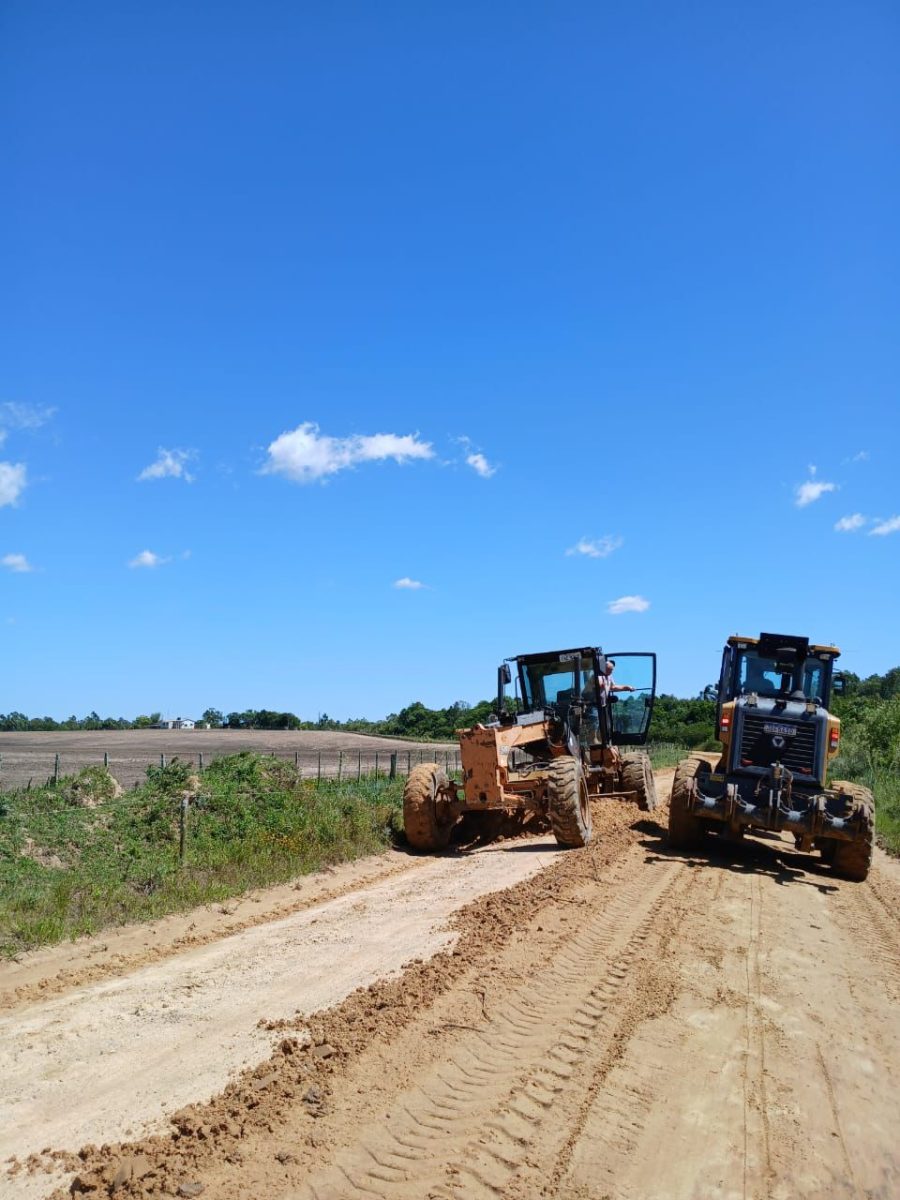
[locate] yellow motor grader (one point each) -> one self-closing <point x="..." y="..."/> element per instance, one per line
<point x="778" y="741"/>
<point x="546" y="753"/>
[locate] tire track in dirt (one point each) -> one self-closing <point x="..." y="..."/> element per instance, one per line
<point x="504" y="1077"/>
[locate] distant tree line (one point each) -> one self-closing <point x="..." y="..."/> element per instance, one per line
<point x="686" y="722"/>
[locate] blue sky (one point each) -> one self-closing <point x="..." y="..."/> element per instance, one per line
<point x="555" y="310"/>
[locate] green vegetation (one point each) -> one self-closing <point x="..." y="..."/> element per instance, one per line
<point x="81" y="855"/>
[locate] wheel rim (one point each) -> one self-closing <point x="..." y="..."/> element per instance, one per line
<point x="584" y="800"/>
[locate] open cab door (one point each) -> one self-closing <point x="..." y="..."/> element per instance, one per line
<point x="630" y="712"/>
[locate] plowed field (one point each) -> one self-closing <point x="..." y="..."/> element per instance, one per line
<point x="510" y="1021"/>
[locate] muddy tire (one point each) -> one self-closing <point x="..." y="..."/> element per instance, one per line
<point x="852" y="860"/>
<point x="569" y="803"/>
<point x="685" y="830"/>
<point x="427" y="824"/>
<point x="637" y="777"/>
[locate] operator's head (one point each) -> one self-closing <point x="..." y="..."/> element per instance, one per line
<point x="610" y="665"/>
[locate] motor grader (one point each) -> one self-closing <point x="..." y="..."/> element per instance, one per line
<point x="778" y="740"/>
<point x="546" y="752"/>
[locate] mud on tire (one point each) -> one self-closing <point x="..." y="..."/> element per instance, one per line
<point x="427" y="823"/>
<point x="685" y="830"/>
<point x="569" y="803"/>
<point x="637" y="777"/>
<point x="852" y="860"/>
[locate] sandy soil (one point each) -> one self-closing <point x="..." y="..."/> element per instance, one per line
<point x="617" y="1022"/>
<point x="28" y="757"/>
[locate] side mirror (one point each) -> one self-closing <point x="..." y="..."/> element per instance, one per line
<point x="504" y="676"/>
<point x="838" y="685"/>
<point x="710" y="692"/>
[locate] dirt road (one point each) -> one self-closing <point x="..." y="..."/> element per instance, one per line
<point x="619" y="1022"/>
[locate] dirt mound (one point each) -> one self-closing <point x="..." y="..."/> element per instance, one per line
<point x="91" y="787"/>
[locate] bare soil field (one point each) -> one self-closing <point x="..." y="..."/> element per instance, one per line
<point x="28" y="757"/>
<point x="516" y="1021"/>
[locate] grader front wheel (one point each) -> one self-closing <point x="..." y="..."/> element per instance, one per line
<point x="569" y="803"/>
<point x="852" y="860"/>
<point x="637" y="777"/>
<point x="685" y="830"/>
<point x="426" y="820"/>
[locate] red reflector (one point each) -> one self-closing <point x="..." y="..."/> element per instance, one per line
<point x="834" y="737"/>
<point x="726" y="721"/>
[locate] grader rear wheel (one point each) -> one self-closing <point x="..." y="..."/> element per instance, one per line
<point x="427" y="822"/>
<point x="852" y="860"/>
<point x="569" y="803"/>
<point x="637" y="777"/>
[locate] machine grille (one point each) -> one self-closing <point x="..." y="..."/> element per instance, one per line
<point x="758" y="749"/>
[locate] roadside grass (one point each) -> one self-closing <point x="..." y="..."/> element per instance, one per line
<point x="76" y="857"/>
<point x="667" y="754"/>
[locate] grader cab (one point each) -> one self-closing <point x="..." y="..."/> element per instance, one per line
<point x="778" y="742"/>
<point x="547" y="751"/>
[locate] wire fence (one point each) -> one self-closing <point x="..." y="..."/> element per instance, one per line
<point x="27" y="770"/>
<point x="37" y="768"/>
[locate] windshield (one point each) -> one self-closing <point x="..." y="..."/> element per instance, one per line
<point x="555" y="681"/>
<point x="759" y="674"/>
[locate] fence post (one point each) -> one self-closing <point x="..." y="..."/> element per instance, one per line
<point x="106" y="759"/>
<point x="200" y="764"/>
<point x="182" y="827"/>
<point x="319" y="769"/>
<point x="297" y="761"/>
<point x="56" y="769"/>
<point x="409" y="762"/>
<point x="393" y="772"/>
<point x="376" y="764"/>
<point x="340" y="763"/>
<point x="358" y="765"/>
<point x="162" y="760"/>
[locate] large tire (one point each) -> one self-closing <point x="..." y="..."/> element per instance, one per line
<point x="427" y="826"/>
<point x="637" y="777"/>
<point x="685" y="830"/>
<point x="569" y="803"/>
<point x="852" y="860"/>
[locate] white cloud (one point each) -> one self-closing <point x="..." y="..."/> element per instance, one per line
<point x="17" y="563"/>
<point x="627" y="604"/>
<point x="850" y="524"/>
<point x="812" y="489"/>
<point x="24" y="416"/>
<point x="480" y="465"/>
<point x="411" y="585"/>
<point x="891" y="525"/>
<point x="170" y="464"/>
<point x="596" y="547"/>
<point x="12" y="482"/>
<point x="147" y="558"/>
<point x="860" y="456"/>
<point x="305" y="455"/>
